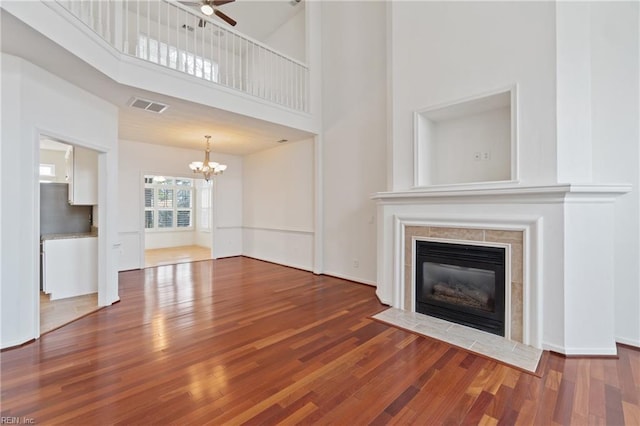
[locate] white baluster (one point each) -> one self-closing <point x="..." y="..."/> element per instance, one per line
<point x="219" y="57"/>
<point x="168" y="58"/>
<point x="137" y="34"/>
<point x="148" y="30"/>
<point x="109" y="33"/>
<point x="159" y="3"/>
<point x="125" y="22"/>
<point x="97" y="21"/>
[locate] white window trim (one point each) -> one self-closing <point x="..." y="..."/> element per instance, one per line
<point x="174" y="209"/>
<point x="204" y="213"/>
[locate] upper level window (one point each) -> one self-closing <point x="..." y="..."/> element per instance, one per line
<point x="48" y="170"/>
<point x="168" y="203"/>
<point x="172" y="57"/>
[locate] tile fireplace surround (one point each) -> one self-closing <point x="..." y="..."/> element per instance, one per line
<point x="561" y="288"/>
<point x="514" y="239"/>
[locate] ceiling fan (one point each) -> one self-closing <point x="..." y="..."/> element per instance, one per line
<point x="210" y="7"/>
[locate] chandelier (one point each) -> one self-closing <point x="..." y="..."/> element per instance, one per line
<point x="206" y="167"/>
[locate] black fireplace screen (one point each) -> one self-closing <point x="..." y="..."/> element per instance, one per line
<point x="461" y="283"/>
<point x="471" y="287"/>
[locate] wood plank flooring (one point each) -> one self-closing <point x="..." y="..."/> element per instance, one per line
<point x="239" y="341"/>
<point x="56" y="313"/>
<point x="173" y="255"/>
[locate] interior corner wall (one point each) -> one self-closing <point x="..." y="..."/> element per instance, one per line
<point x="290" y="37"/>
<point x="34" y="101"/>
<point x="615" y="129"/>
<point x="448" y="51"/>
<point x="137" y="159"/>
<point x="354" y="138"/>
<point x="278" y="194"/>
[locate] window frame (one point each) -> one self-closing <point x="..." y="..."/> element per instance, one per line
<point x="174" y="208"/>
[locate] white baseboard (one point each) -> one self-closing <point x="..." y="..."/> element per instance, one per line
<point x="628" y="342"/>
<point x="278" y="262"/>
<point x="580" y="351"/>
<point x="351" y="278"/>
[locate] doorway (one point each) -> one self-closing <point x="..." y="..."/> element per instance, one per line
<point x="177" y="219"/>
<point x="68" y="200"/>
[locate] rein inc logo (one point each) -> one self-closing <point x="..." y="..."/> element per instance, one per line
<point x="9" y="420"/>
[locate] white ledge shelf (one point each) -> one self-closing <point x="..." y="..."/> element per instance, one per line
<point x="546" y="193"/>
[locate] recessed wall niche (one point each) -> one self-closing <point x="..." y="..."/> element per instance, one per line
<point x="469" y="141"/>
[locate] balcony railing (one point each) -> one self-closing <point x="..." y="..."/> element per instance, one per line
<point x="175" y="36"/>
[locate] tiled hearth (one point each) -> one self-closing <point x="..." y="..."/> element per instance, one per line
<point x="507" y="351"/>
<point x="512" y="238"/>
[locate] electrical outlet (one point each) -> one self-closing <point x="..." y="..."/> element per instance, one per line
<point x="477" y="156"/>
<point x="486" y="155"/>
<point x="356" y="263"/>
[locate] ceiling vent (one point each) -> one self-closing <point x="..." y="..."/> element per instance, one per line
<point x="147" y="105"/>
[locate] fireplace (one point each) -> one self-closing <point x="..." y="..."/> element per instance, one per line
<point x="461" y="283"/>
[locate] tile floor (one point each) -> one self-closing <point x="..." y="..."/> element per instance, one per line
<point x="507" y="351"/>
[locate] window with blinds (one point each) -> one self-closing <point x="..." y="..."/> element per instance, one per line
<point x="168" y="203"/>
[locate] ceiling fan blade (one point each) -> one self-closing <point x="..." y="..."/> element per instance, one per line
<point x="225" y="18"/>
<point x="221" y="2"/>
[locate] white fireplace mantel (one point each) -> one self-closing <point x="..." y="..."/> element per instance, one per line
<point x="506" y="193"/>
<point x="568" y="259"/>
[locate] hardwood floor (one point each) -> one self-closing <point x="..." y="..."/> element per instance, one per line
<point x="173" y="255"/>
<point x="56" y="313"/>
<point x="239" y="341"/>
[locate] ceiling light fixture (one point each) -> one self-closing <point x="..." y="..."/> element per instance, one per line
<point x="206" y="167"/>
<point x="206" y="9"/>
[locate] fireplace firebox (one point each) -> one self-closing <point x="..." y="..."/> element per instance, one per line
<point x="461" y="283"/>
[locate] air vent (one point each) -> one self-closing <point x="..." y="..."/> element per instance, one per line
<point x="148" y="105"/>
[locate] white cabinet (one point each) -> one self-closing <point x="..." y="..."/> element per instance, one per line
<point x="70" y="267"/>
<point x="83" y="176"/>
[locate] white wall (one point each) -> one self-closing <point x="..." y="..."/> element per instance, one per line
<point x="458" y="139"/>
<point x="443" y="51"/>
<point x="278" y="208"/>
<point x="33" y="102"/>
<point x="615" y="131"/>
<point x="354" y="134"/>
<point x="165" y="239"/>
<point x="290" y="37"/>
<point x="138" y="159"/>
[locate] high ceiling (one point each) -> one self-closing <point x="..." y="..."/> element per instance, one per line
<point x="259" y="18"/>
<point x="184" y="123"/>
